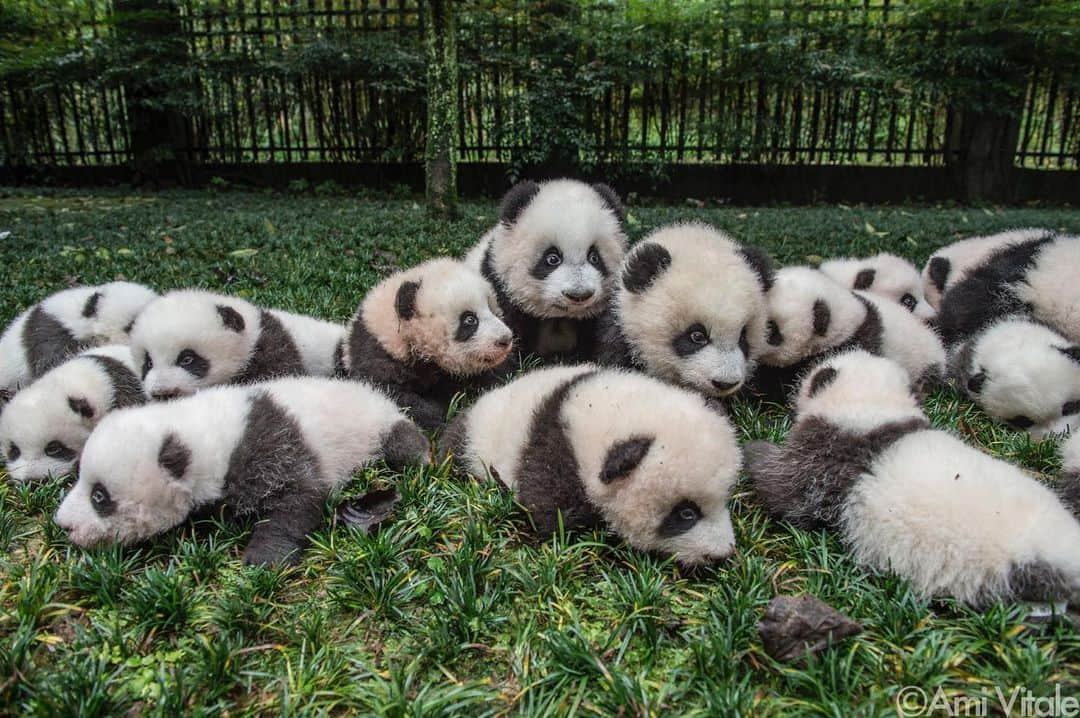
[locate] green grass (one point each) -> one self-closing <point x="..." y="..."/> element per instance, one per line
<point x="453" y="607"/>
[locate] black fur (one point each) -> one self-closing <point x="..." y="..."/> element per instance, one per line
<point x="174" y="456"/>
<point x="404" y="445"/>
<point x="46" y="341"/>
<point x="91" y="306"/>
<point x="939" y="272"/>
<point x="127" y="390"/>
<point x="516" y="200"/>
<point x="454" y="439"/>
<point x="339" y="360"/>
<point x="775" y="338"/>
<point x="624" y="457"/>
<point x="821" y="379"/>
<point x="193" y="363"/>
<point x="81" y="406"/>
<point x="231" y="318"/>
<point x="541" y="269"/>
<point x="275" y="354"/>
<point x="644" y="265"/>
<point x="961" y="373"/>
<point x="1073" y="352"/>
<point x="405" y="300"/>
<point x="1037" y="581"/>
<point x="762" y="265"/>
<point x="612" y="346"/>
<point x="683" y="346"/>
<point x="822" y="317"/>
<point x="864" y="279"/>
<point x="611" y="199"/>
<point x="1069" y="490"/>
<point x="465" y="332"/>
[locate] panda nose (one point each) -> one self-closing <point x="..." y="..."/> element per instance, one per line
<point x="504" y="341"/>
<point x="165" y="395"/>
<point x="724" y="385"/>
<point x="581" y="296"/>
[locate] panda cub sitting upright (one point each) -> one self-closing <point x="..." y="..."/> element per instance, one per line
<point x="863" y="460"/>
<point x="551" y="260"/>
<point x="426" y="333"/>
<point x="44" y="427"/>
<point x="64" y="324"/>
<point x="607" y="446"/>
<point x="273" y="451"/>
<point x="690" y="309"/>
<point x="191" y="339"/>
<point x="884" y="275"/>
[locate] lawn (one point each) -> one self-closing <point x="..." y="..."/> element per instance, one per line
<point x="453" y="607"/>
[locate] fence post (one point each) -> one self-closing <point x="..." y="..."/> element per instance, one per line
<point x="440" y="154"/>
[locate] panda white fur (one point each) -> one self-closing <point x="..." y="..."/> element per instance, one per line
<point x="64" y="324"/>
<point x="551" y="260"/>
<point x="862" y="460"/>
<point x="272" y="451"/>
<point x="1036" y="277"/>
<point x="884" y="275"/>
<point x="45" y="425"/>
<point x="909" y="341"/>
<point x="689" y="309"/>
<point x="951" y="263"/>
<point x="609" y="446"/>
<point x="191" y="339"/>
<point x="426" y="333"/>
<point x="1023" y="374"/>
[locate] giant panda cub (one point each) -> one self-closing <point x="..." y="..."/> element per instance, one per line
<point x="551" y="260"/>
<point x="884" y="275"/>
<point x="191" y="339"/>
<point x="1023" y="374"/>
<point x="65" y="323"/>
<point x="44" y="427"/>
<point x="690" y="309"/>
<point x="1036" y="277"/>
<point x="273" y="452"/>
<point x="951" y="263"/>
<point x="426" y="333"/>
<point x="862" y="460"/>
<point x="652" y="461"/>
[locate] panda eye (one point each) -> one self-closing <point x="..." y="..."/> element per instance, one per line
<point x="194" y="364"/>
<point x="14" y="452"/>
<point x="1020" y="422"/>
<point x="909" y="302"/>
<point x="552" y="257"/>
<point x="56" y="450"/>
<point x="469" y="319"/>
<point x="1069" y="408"/>
<point x="682" y="517"/>
<point x="698" y="336"/>
<point x="594" y="257"/>
<point x="186" y="358"/>
<point x="101" y="501"/>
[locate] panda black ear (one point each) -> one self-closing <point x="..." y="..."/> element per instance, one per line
<point x="1072" y="352"/>
<point x="821" y="379"/>
<point x="81" y="407"/>
<point x="761" y="263"/>
<point x="938" y="271"/>
<point x="516" y="200"/>
<point x="775" y="338"/>
<point x="624" y="457"/>
<point x="975" y="382"/>
<point x="865" y="278"/>
<point x="645" y="263"/>
<point x="5" y="397"/>
<point x="405" y="302"/>
<point x="91" y="306"/>
<point x="231" y="318"/>
<point x="822" y="317"/>
<point x="174" y="457"/>
<point x="611" y="199"/>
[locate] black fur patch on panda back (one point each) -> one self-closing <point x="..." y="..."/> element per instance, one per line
<point x="644" y="265"/>
<point x="404" y="445"/>
<point x="1068" y="490"/>
<point x="90" y="308"/>
<point x="822" y="317"/>
<point x="623" y="457"/>
<point x="516" y="200"/>
<point x="340" y="371"/>
<point x="807" y="481"/>
<point x="174" y="456"/>
<point x="46" y="341"/>
<point x="611" y="200"/>
<point x="959" y="366"/>
<point x="938" y="272"/>
<point x="1036" y="581"/>
<point x="127" y="390"/>
<point x="762" y="265"/>
<point x="454" y="439"/>
<point x="549" y="481"/>
<point x="231" y="318"/>
<point x="405" y="300"/>
<point x="275" y="353"/>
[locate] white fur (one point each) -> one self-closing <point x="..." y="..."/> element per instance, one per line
<point x="315" y="339"/>
<point x="893" y="279"/>
<point x="341" y="421"/>
<point x="40" y="414"/>
<point x="1070" y="454"/>
<point x="969" y="253"/>
<point x="1052" y="286"/>
<point x="907" y="340"/>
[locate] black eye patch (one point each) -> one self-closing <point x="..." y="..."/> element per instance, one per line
<point x="682" y="517"/>
<point x="744" y="343"/>
<point x="193" y="363"/>
<point x="822" y="379"/>
<point x="549" y="261"/>
<point x="775" y="338"/>
<point x="147" y="365"/>
<point x="468" y="323"/>
<point x="1070" y="407"/>
<point x="909" y="301"/>
<point x="975" y="383"/>
<point x="101" y="500"/>
<point x="822" y="317"/>
<point x="57" y="450"/>
<point x="597" y="260"/>
<point x="1020" y="422"/>
<point x="691" y="341"/>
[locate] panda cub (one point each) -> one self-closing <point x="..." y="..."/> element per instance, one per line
<point x="951" y="263"/>
<point x="607" y="446"/>
<point x="191" y="339"/>
<point x="426" y="333"/>
<point x="690" y="309"/>
<point x="65" y="323"/>
<point x="550" y="259"/>
<point x="1036" y="277"/>
<point x="1022" y="374"/>
<point x="273" y="451"/>
<point x="884" y="275"/>
<point x="862" y="460"/>
<point x="44" y="427"/>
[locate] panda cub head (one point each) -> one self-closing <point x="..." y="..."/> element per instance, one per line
<point x="692" y="307"/>
<point x="885" y="275"/>
<point x="556" y="247"/>
<point x="190" y="339"/>
<point x="1023" y="374"/>
<point x="809" y="313"/>
<point x="440" y="311"/>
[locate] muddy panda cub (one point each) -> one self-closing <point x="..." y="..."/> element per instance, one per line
<point x="44" y="427"/>
<point x="607" y="446"/>
<point x="689" y="309"/>
<point x="863" y="460"/>
<point x="65" y="323"/>
<point x="551" y="259"/>
<point x="192" y="339"/>
<point x="884" y="275"/>
<point x="426" y="333"/>
<point x="273" y="451"/>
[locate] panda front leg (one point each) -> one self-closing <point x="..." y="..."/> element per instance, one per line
<point x="282" y="531"/>
<point x="428" y="413"/>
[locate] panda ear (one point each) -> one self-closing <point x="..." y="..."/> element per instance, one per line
<point x="81" y="407"/>
<point x="938" y="271"/>
<point x="174" y="457"/>
<point x="1072" y="352"/>
<point x="821" y="379"/>
<point x="624" y="457"/>
<point x="975" y="382"/>
<point x="405" y="301"/>
<point x="647" y="262"/>
<point x="231" y="318"/>
<point x="611" y="199"/>
<point x="775" y="338"/>
<point x="516" y="200"/>
<point x="865" y="278"/>
<point x="91" y="307"/>
<point x="762" y="265"/>
<point x="822" y="317"/>
<point x="5" y="397"/>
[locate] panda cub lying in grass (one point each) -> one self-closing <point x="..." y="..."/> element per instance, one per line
<point x="272" y="451"/>
<point x="863" y="460"/>
<point x="884" y="275"/>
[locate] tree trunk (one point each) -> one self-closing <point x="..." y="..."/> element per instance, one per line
<point x="440" y="154"/>
<point x="980" y="153"/>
